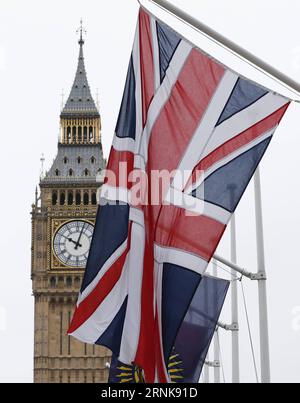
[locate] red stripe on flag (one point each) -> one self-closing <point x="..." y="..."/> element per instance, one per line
<point x="145" y="357"/>
<point x="242" y="139"/>
<point x="199" y="235"/>
<point x="120" y="165"/>
<point x="147" y="62"/>
<point x="91" y="303"/>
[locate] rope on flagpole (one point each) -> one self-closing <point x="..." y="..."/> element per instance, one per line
<point x="240" y="279"/>
<point x="249" y="332"/>
<point x="234" y="276"/>
<point x="221" y="356"/>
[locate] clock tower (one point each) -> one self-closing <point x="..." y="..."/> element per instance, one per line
<point x="63" y="218"/>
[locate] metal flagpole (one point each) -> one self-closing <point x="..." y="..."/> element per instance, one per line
<point x="262" y="285"/>
<point x="217" y="363"/>
<point x="217" y="372"/>
<point x="234" y="309"/>
<point x="207" y="363"/>
<point x="206" y="370"/>
<point x="232" y="47"/>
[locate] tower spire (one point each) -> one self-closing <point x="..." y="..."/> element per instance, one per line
<point x="80" y="117"/>
<point x="80" y="102"/>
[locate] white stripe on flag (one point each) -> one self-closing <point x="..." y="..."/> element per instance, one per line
<point x="136" y="215"/>
<point x="138" y="89"/>
<point x="243" y="120"/>
<point x="94" y="327"/>
<point x="131" y="330"/>
<point x="102" y="271"/>
<point x="156" y="61"/>
<point x="159" y="290"/>
<point x="235" y="154"/>
<point x="205" y="129"/>
<point x="197" y="205"/>
<point x="113" y="194"/>
<point x="124" y="144"/>
<point x="180" y="258"/>
<point x="163" y="94"/>
<point x="217" y="213"/>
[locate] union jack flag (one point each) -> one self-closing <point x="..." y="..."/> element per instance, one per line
<point x="182" y="111"/>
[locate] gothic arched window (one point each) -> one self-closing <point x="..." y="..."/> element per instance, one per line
<point x="74" y="134"/>
<point x="80" y="134"/>
<point x="57" y="173"/>
<point x="94" y="198"/>
<point x="69" y="281"/>
<point x="79" y="160"/>
<point x="86" y="172"/>
<point x="85" y="134"/>
<point x="69" y="133"/>
<point x="66" y="160"/>
<point x="62" y="198"/>
<point x="52" y="282"/>
<point x="93" y="160"/>
<point x="54" y="198"/>
<point x="86" y="199"/>
<point x="78" y="199"/>
<point x="71" y="172"/>
<point x="70" y="198"/>
<point x="91" y="135"/>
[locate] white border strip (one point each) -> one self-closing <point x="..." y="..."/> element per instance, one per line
<point x="233" y="155"/>
<point x="156" y="61"/>
<point x="111" y="193"/>
<point x="104" y="269"/>
<point x="131" y="329"/>
<point x="94" y="327"/>
<point x="159" y="278"/>
<point x="124" y="144"/>
<point x="138" y="90"/>
<point x="180" y="258"/>
<point x="163" y="94"/>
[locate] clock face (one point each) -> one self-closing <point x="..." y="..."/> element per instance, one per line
<point x="72" y="243"/>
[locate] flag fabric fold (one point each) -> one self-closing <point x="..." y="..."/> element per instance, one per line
<point x="193" y="339"/>
<point x="183" y="113"/>
<point x="199" y="325"/>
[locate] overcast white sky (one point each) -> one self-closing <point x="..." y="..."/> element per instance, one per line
<point x="38" y="56"/>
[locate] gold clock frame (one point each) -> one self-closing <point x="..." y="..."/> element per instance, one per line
<point x="56" y="224"/>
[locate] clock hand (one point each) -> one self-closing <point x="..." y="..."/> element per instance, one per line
<point x="71" y="240"/>
<point x="78" y="244"/>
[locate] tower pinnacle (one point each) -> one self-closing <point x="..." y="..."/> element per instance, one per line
<point x="80" y="102"/>
<point x="81" y="30"/>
